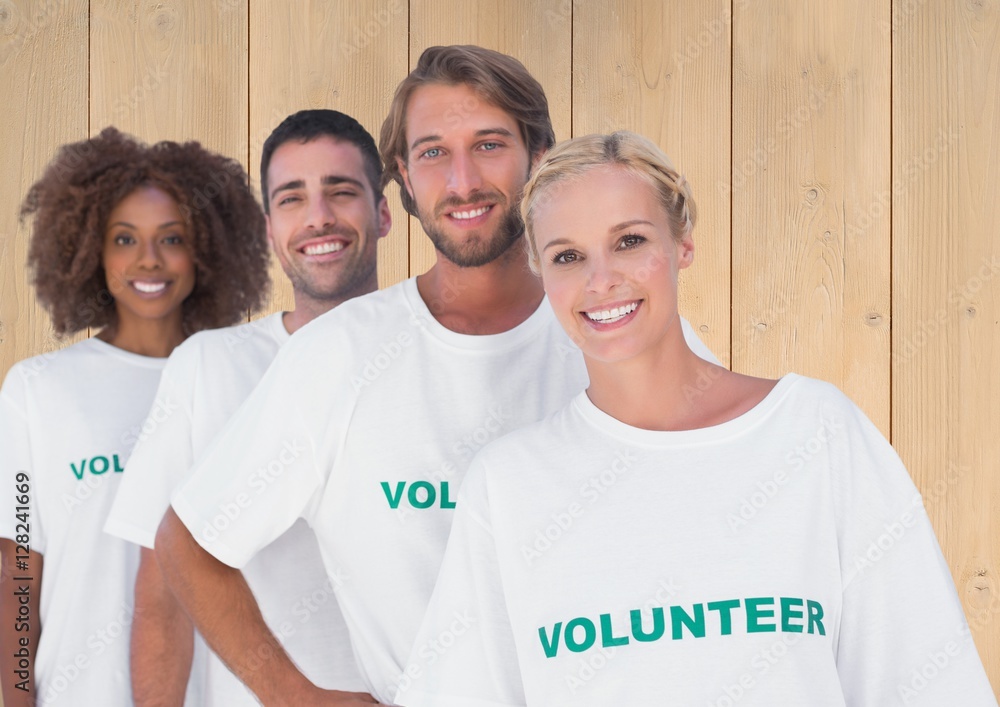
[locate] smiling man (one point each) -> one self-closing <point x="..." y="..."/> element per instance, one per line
<point x="321" y="183"/>
<point x="387" y="398"/>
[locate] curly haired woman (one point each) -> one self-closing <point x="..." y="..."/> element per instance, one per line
<point x="146" y="245"/>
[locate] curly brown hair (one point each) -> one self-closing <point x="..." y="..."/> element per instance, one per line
<point x="71" y="204"/>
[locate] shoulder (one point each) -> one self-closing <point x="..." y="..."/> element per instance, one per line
<point x="354" y="327"/>
<point x="66" y="361"/>
<point x="517" y="449"/>
<point x="263" y="334"/>
<point x="811" y="398"/>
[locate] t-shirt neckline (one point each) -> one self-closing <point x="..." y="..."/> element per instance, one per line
<point x="614" y="427"/>
<point x="275" y="324"/>
<point x="135" y="359"/>
<point x="540" y="318"/>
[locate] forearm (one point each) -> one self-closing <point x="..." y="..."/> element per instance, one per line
<point x="162" y="640"/>
<point x="20" y="626"/>
<point x="224" y="610"/>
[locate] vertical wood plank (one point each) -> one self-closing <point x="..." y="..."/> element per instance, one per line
<point x="663" y="70"/>
<point x="43" y="81"/>
<point x="811" y="250"/>
<point x="536" y="32"/>
<point x="171" y="70"/>
<point x="344" y="56"/>
<point x="946" y="293"/>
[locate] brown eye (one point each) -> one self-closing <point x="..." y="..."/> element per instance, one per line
<point x="631" y="241"/>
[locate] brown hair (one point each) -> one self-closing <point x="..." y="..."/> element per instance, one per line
<point x="83" y="184"/>
<point x="636" y="154"/>
<point x="500" y="79"/>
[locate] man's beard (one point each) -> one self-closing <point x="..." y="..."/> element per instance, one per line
<point x="355" y="272"/>
<point x="477" y="250"/>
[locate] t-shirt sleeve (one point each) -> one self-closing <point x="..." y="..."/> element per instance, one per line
<point x="161" y="459"/>
<point x="465" y="654"/>
<point x="903" y="637"/>
<point x="17" y="471"/>
<point x="268" y="465"/>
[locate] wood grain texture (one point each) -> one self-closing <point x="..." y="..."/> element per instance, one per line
<point x="811" y="136"/>
<point x="344" y="56"/>
<point x="171" y="70"/>
<point x="663" y="70"/>
<point x="946" y="293"/>
<point x="43" y="81"/>
<point x="536" y="32"/>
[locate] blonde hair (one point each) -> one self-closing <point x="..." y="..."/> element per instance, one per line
<point x="636" y="154"/>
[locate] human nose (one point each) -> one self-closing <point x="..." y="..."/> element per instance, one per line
<point x="150" y="256"/>
<point x="603" y="275"/>
<point x="463" y="176"/>
<point x="320" y="214"/>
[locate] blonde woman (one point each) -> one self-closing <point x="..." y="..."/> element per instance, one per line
<point x="600" y="556"/>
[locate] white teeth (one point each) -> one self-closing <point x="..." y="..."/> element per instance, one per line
<point x="607" y="316"/>
<point x="323" y="248"/>
<point x="149" y="287"/>
<point x="470" y="214"/>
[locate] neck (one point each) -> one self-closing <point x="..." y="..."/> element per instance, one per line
<point x="156" y="338"/>
<point x="662" y="389"/>
<point x="490" y="299"/>
<point x="308" y="308"/>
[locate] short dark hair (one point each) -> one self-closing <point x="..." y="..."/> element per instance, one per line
<point x="307" y="125"/>
<point x="82" y="185"/>
<point x="500" y="79"/>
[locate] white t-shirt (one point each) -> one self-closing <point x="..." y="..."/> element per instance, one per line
<point x="203" y="384"/>
<point x="364" y="425"/>
<point x="781" y="558"/>
<point x="67" y="420"/>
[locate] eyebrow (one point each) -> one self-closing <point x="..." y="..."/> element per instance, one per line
<point x="620" y="227"/>
<point x="328" y="180"/>
<point x="168" y="224"/>
<point x="485" y="132"/>
<point x="628" y="224"/>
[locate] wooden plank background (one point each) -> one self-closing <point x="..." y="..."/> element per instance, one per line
<point x="846" y="175"/>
